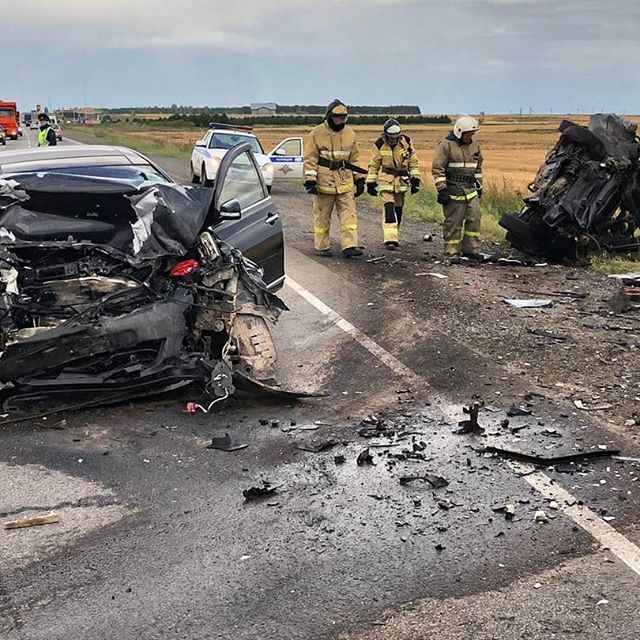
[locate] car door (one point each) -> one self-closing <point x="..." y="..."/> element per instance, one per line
<point x="288" y="159"/>
<point x="258" y="231"/>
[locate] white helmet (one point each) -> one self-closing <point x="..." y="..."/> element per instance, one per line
<point x="464" y="124"/>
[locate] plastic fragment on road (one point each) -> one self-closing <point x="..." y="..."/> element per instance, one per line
<point x="541" y="517"/>
<point x="223" y="443"/>
<point x="35" y="521"/>
<point x="364" y="458"/>
<point x="594" y="407"/>
<point x="550" y="460"/>
<point x="262" y="491"/>
<point x="433" y="274"/>
<point x="632" y="279"/>
<point x="528" y="304"/>
<point x="471" y="425"/>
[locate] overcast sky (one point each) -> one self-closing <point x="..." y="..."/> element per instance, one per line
<point x="448" y="56"/>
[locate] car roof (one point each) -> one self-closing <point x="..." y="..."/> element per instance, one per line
<point x="234" y="132"/>
<point x="59" y="157"/>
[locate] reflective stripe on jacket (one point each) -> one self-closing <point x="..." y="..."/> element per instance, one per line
<point x="334" y="146"/>
<point x="458" y="168"/>
<point x="392" y="167"/>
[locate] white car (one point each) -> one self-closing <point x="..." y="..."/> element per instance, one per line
<point x="211" y="148"/>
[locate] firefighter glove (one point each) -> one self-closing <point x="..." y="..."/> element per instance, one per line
<point x="443" y="196"/>
<point x="372" y="188"/>
<point x="359" y="187"/>
<point x="311" y="187"/>
<point x="415" y="185"/>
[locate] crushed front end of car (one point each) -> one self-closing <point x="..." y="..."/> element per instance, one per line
<point x="112" y="291"/>
<point x="586" y="195"/>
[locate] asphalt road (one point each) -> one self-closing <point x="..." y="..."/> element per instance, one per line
<point x="155" y="539"/>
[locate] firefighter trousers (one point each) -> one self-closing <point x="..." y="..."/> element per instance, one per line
<point x="345" y="205"/>
<point x="392" y="204"/>
<point x="461" y="227"/>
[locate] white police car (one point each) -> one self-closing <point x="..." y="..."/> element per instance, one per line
<point x="212" y="147"/>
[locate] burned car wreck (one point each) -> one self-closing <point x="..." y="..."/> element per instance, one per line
<point x="112" y="291"/>
<point x="585" y="196"/>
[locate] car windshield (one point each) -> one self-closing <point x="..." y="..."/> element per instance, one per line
<point x="7" y="113"/>
<point x="136" y="172"/>
<point x="230" y="140"/>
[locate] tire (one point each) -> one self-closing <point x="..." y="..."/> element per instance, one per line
<point x="203" y="176"/>
<point x="194" y="178"/>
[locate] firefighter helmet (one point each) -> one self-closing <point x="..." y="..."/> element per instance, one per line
<point x="392" y="129"/>
<point x="337" y="108"/>
<point x="463" y="125"/>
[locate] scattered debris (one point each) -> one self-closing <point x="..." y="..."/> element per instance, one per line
<point x="541" y="517"/>
<point x="257" y="493"/>
<point x="471" y="425"/>
<point x="601" y="602"/>
<point x="374" y="260"/>
<point x="318" y="447"/>
<point x="433" y="274"/>
<point x="594" y="407"/>
<point x="560" y="337"/>
<point x="34" y="521"/>
<point x="509" y="510"/>
<point x="339" y="459"/>
<point x="528" y="304"/>
<point x="551" y="460"/>
<point x="631" y="279"/>
<point x="223" y="443"/>
<point x="427" y="237"/>
<point x="437" y="482"/>
<point x="512" y="412"/>
<point x="364" y="458"/>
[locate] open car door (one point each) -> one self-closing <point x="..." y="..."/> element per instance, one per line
<point x="245" y="216"/>
<point x="287" y="159"/>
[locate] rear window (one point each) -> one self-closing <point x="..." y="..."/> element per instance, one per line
<point x="230" y="140"/>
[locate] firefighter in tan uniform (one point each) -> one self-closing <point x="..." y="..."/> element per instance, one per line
<point x="457" y="172"/>
<point x="393" y="170"/>
<point x="331" y="168"/>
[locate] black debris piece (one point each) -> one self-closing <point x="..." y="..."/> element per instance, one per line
<point x="437" y="482"/>
<point x="364" y="458"/>
<point x="512" y="412"/>
<point x="551" y="459"/>
<point x="318" y="447"/>
<point x="560" y="337"/>
<point x="339" y="459"/>
<point x="471" y="425"/>
<point x="223" y="443"/>
<point x="260" y="492"/>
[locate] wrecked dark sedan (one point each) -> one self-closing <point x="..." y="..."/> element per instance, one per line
<point x="114" y="289"/>
<point x="258" y="233"/>
<point x="586" y="195"/>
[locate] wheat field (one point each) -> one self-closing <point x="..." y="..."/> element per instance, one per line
<point x="513" y="146"/>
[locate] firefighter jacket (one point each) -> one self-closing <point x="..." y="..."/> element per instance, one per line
<point x="391" y="168"/>
<point x="458" y="168"/>
<point x="330" y="158"/>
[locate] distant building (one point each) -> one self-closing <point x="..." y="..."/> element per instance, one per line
<point x="81" y="115"/>
<point x="264" y="109"/>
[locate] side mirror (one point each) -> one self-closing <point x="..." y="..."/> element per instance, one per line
<point x="231" y="210"/>
<point x="200" y="143"/>
<point x="280" y="152"/>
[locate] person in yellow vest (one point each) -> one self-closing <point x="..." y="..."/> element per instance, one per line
<point x="393" y="170"/>
<point x="331" y="169"/>
<point x="46" y="135"/>
<point x="457" y="172"/>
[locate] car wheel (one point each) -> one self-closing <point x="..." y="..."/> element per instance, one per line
<point x="205" y="181"/>
<point x="194" y="178"/>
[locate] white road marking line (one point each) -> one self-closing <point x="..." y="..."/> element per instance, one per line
<point x="371" y="346"/>
<point x="605" y="534"/>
